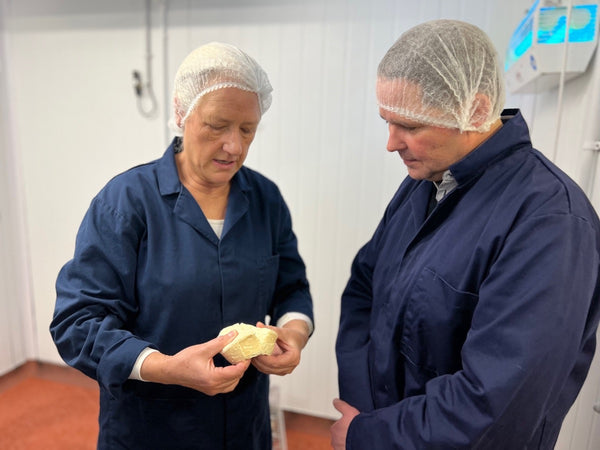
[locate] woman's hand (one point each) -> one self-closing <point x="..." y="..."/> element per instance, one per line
<point x="291" y="339"/>
<point x="193" y="367"/>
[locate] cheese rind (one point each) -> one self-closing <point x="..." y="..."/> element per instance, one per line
<point x="250" y="341"/>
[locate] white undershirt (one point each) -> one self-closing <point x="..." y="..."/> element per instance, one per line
<point x="217" y="226"/>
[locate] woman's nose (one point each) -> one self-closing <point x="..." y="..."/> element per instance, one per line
<point x="233" y="143"/>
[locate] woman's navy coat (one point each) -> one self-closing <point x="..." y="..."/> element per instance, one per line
<point x="148" y="271"/>
<point x="473" y="327"/>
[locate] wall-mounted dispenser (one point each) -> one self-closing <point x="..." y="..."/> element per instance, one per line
<point x="534" y="59"/>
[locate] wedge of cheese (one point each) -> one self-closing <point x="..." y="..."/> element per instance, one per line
<point x="250" y="341"/>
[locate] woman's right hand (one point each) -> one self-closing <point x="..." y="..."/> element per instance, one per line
<point x="193" y="367"/>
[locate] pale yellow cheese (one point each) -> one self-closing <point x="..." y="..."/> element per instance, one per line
<point x="250" y="341"/>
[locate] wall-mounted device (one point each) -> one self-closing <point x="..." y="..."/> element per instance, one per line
<point x="534" y="59"/>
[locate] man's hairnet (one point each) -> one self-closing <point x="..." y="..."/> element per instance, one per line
<point x="443" y="73"/>
<point x="215" y="66"/>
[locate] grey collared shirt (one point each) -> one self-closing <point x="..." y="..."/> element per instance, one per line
<point x="447" y="184"/>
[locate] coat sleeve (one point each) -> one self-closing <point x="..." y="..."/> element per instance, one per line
<point x="292" y="293"/>
<point x="529" y="347"/>
<point x="353" y="337"/>
<point x="95" y="300"/>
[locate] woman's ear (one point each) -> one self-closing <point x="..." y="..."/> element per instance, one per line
<point x="177" y="112"/>
<point x="480" y="110"/>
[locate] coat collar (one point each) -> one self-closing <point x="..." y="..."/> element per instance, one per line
<point x="168" y="178"/>
<point x="513" y="135"/>
<point x="186" y="207"/>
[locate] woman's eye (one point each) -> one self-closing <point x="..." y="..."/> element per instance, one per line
<point x="216" y="127"/>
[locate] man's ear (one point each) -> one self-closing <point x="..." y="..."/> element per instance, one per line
<point x="480" y="110"/>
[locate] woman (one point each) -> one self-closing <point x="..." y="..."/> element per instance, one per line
<point x="168" y="254"/>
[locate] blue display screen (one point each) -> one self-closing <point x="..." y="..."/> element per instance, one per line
<point x="552" y="24"/>
<point x="522" y="38"/>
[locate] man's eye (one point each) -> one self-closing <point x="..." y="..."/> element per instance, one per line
<point x="399" y="126"/>
<point x="406" y="127"/>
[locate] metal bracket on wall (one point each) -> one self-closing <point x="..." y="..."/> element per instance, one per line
<point x="145" y="90"/>
<point x="592" y="145"/>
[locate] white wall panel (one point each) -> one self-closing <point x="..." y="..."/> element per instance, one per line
<point x="76" y="125"/>
<point x="17" y="336"/>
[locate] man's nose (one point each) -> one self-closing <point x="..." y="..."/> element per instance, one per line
<point x="395" y="139"/>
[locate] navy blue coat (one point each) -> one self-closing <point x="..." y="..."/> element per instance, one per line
<point x="148" y="271"/>
<point x="473" y="327"/>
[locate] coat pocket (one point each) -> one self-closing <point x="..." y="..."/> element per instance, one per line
<point x="437" y="319"/>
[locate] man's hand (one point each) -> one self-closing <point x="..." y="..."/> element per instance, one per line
<point x="339" y="430"/>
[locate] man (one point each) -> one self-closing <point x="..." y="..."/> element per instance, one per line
<point x="469" y="318"/>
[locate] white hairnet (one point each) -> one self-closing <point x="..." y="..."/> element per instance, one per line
<point x="443" y="73"/>
<point x="215" y="66"/>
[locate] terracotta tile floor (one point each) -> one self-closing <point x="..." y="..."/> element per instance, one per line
<point x="302" y="432"/>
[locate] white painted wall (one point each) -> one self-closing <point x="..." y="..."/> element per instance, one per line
<point x="17" y="334"/>
<point x="75" y="124"/>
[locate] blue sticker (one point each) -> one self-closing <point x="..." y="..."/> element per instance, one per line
<point x="532" y="62"/>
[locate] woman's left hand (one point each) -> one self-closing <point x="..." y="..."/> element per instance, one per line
<point x="291" y="339"/>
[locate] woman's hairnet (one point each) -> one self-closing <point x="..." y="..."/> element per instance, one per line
<point x="215" y="66"/>
<point x="443" y="73"/>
